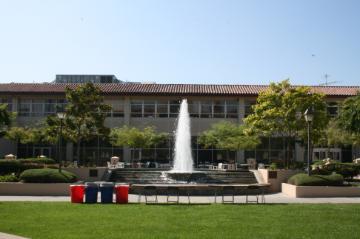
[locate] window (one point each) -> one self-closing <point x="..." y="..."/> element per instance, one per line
<point x="219" y="109"/>
<point x="50" y="106"/>
<point x="231" y="109"/>
<point x="332" y="109"/>
<point x="162" y="109"/>
<point x="206" y="109"/>
<point x="24" y="107"/>
<point x="174" y="108"/>
<point x="194" y="108"/>
<point x="136" y="108"/>
<point x="149" y="108"/>
<point x="37" y="108"/>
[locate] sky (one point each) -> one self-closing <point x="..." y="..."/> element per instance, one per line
<point x="183" y="41"/>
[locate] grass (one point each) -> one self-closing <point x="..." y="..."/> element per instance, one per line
<point x="65" y="220"/>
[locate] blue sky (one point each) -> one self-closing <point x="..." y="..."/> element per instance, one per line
<point x="187" y="41"/>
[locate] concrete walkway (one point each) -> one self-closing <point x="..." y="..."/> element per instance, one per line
<point x="8" y="236"/>
<point x="277" y="198"/>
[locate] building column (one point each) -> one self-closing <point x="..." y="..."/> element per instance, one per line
<point x="127" y="117"/>
<point x="241" y="110"/>
<point x="299" y="152"/>
<point x="240" y="157"/>
<point x="69" y="151"/>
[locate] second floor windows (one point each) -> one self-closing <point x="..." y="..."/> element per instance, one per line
<point x="197" y="109"/>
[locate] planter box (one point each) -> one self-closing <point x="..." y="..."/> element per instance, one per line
<point x="276" y="177"/>
<point x="35" y="189"/>
<point x="88" y="174"/>
<point x="319" y="191"/>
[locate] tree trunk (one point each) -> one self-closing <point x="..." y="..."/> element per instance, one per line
<point x="78" y="151"/>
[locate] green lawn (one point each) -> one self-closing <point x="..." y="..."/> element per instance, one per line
<point x="65" y="220"/>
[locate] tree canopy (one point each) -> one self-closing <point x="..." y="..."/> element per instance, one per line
<point x="85" y="114"/>
<point x="279" y="111"/>
<point x="229" y="136"/>
<point x="5" y="118"/>
<point x="349" y="117"/>
<point x="136" y="138"/>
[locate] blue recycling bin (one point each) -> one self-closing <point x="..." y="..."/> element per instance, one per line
<point x="91" y="192"/>
<point x="107" y="190"/>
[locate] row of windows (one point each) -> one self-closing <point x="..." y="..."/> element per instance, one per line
<point x="36" y="108"/>
<point x="149" y="108"/>
<point x="31" y="107"/>
<point x="197" y="109"/>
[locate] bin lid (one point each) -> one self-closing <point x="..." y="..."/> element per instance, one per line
<point x="77" y="185"/>
<point x="107" y="184"/>
<point x="122" y="185"/>
<point x="91" y="184"/>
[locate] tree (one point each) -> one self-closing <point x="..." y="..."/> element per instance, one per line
<point x="18" y="135"/>
<point x="136" y="138"/>
<point x="228" y="136"/>
<point x="279" y="111"/>
<point x="5" y="118"/>
<point x="85" y="114"/>
<point x="349" y="117"/>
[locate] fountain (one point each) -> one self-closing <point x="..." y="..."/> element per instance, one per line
<point x="182" y="172"/>
<point x="183" y="161"/>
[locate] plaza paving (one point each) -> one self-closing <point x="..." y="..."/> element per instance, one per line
<point x="270" y="198"/>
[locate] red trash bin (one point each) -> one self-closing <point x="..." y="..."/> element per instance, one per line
<point x="77" y="193"/>
<point x="122" y="193"/>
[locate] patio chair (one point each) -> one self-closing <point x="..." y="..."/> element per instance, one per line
<point x="172" y="195"/>
<point x="255" y="191"/>
<point x="228" y="194"/>
<point x="150" y="193"/>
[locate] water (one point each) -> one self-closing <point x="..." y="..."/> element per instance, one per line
<point x="183" y="161"/>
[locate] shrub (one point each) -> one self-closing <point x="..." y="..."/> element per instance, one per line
<point x="38" y="160"/>
<point x="8" y="166"/>
<point x="9" y="178"/>
<point x="302" y="179"/>
<point x="47" y="175"/>
<point x="347" y="170"/>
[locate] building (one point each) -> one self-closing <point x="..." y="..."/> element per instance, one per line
<point x="86" y="79"/>
<point x="140" y="105"/>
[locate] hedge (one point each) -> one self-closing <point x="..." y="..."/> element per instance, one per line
<point x="347" y="170"/>
<point x="9" y="178"/>
<point x="38" y="160"/>
<point x="302" y="179"/>
<point x="47" y="175"/>
<point x="8" y="166"/>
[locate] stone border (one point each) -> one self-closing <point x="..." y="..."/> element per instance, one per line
<point x="319" y="191"/>
<point x="276" y="177"/>
<point x="35" y="189"/>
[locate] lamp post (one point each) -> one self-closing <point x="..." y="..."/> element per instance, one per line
<point x="61" y="116"/>
<point x="309" y="116"/>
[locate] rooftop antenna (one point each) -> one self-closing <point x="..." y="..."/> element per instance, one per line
<point x="327" y="83"/>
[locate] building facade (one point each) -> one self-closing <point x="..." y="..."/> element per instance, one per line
<point x="140" y="105"/>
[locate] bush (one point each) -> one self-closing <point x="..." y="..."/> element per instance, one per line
<point x="38" y="160"/>
<point x="47" y="175"/>
<point x="9" y="178"/>
<point x="8" y="166"/>
<point x="302" y="179"/>
<point x="347" y="170"/>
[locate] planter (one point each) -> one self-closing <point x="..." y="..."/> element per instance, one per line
<point x="88" y="174"/>
<point x="35" y="189"/>
<point x="276" y="177"/>
<point x="319" y="191"/>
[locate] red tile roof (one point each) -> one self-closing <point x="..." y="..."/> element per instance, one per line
<point x="166" y="89"/>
